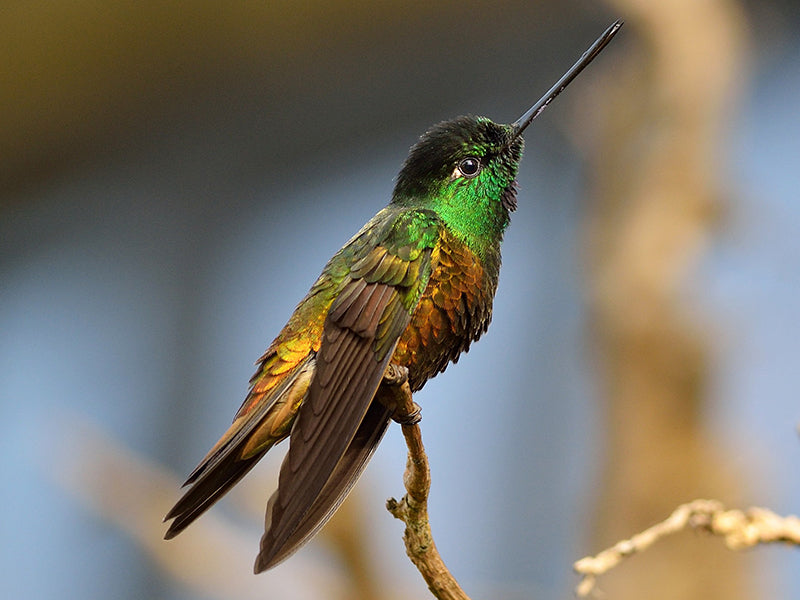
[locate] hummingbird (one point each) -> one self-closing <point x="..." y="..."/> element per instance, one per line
<point x="408" y="293"/>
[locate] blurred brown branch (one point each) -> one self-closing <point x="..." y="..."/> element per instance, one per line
<point x="740" y="530"/>
<point x="214" y="557"/>
<point x="412" y="509"/>
<point x="657" y="194"/>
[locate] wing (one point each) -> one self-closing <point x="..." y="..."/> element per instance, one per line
<point x="341" y="481"/>
<point x="359" y="335"/>
<point x="267" y="413"/>
<point x="230" y="459"/>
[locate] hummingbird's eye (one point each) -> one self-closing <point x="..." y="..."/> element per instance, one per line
<point x="470" y="166"/>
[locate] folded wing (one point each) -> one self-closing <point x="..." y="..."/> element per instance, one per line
<point x="334" y="434"/>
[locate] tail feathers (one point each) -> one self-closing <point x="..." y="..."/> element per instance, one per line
<point x="231" y="458"/>
<point x="341" y="481"/>
<point x="206" y="490"/>
<point x="246" y="422"/>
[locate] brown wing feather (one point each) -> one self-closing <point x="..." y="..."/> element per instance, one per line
<point x="318" y="378"/>
<point x="225" y="465"/>
<point x="341" y="481"/>
<point x="348" y="373"/>
<point x="202" y="495"/>
<point x="359" y="336"/>
<point x="275" y="377"/>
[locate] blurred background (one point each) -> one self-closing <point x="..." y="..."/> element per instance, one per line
<point x="173" y="176"/>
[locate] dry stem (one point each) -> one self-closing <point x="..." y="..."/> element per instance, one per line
<point x="740" y="529"/>
<point x="413" y="508"/>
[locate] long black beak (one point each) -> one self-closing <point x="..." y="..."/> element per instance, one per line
<point x="534" y="111"/>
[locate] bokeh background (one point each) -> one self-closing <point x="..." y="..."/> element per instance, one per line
<point x="174" y="175"/>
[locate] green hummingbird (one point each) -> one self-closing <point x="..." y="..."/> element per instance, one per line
<point x="411" y="290"/>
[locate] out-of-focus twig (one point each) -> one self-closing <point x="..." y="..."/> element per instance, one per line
<point x="412" y="509"/>
<point x="348" y="535"/>
<point x="740" y="530"/>
<point x="658" y="190"/>
<point x="213" y="558"/>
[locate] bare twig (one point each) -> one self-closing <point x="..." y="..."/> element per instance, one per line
<point x="660" y="121"/>
<point x="740" y="529"/>
<point x="412" y="509"/>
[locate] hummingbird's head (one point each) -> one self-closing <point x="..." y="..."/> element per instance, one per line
<point x="465" y="170"/>
<point x="466" y="154"/>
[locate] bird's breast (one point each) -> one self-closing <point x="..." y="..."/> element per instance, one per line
<point x="454" y="310"/>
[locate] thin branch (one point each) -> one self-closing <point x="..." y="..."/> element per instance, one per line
<point x="412" y="509"/>
<point x="740" y="530"/>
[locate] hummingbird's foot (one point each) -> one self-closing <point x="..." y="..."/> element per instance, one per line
<point x="395" y="394"/>
<point x="409" y="418"/>
<point x="395" y="375"/>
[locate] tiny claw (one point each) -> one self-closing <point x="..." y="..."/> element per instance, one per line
<point x="395" y="395"/>
<point x="411" y="418"/>
<point x="395" y="375"/>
